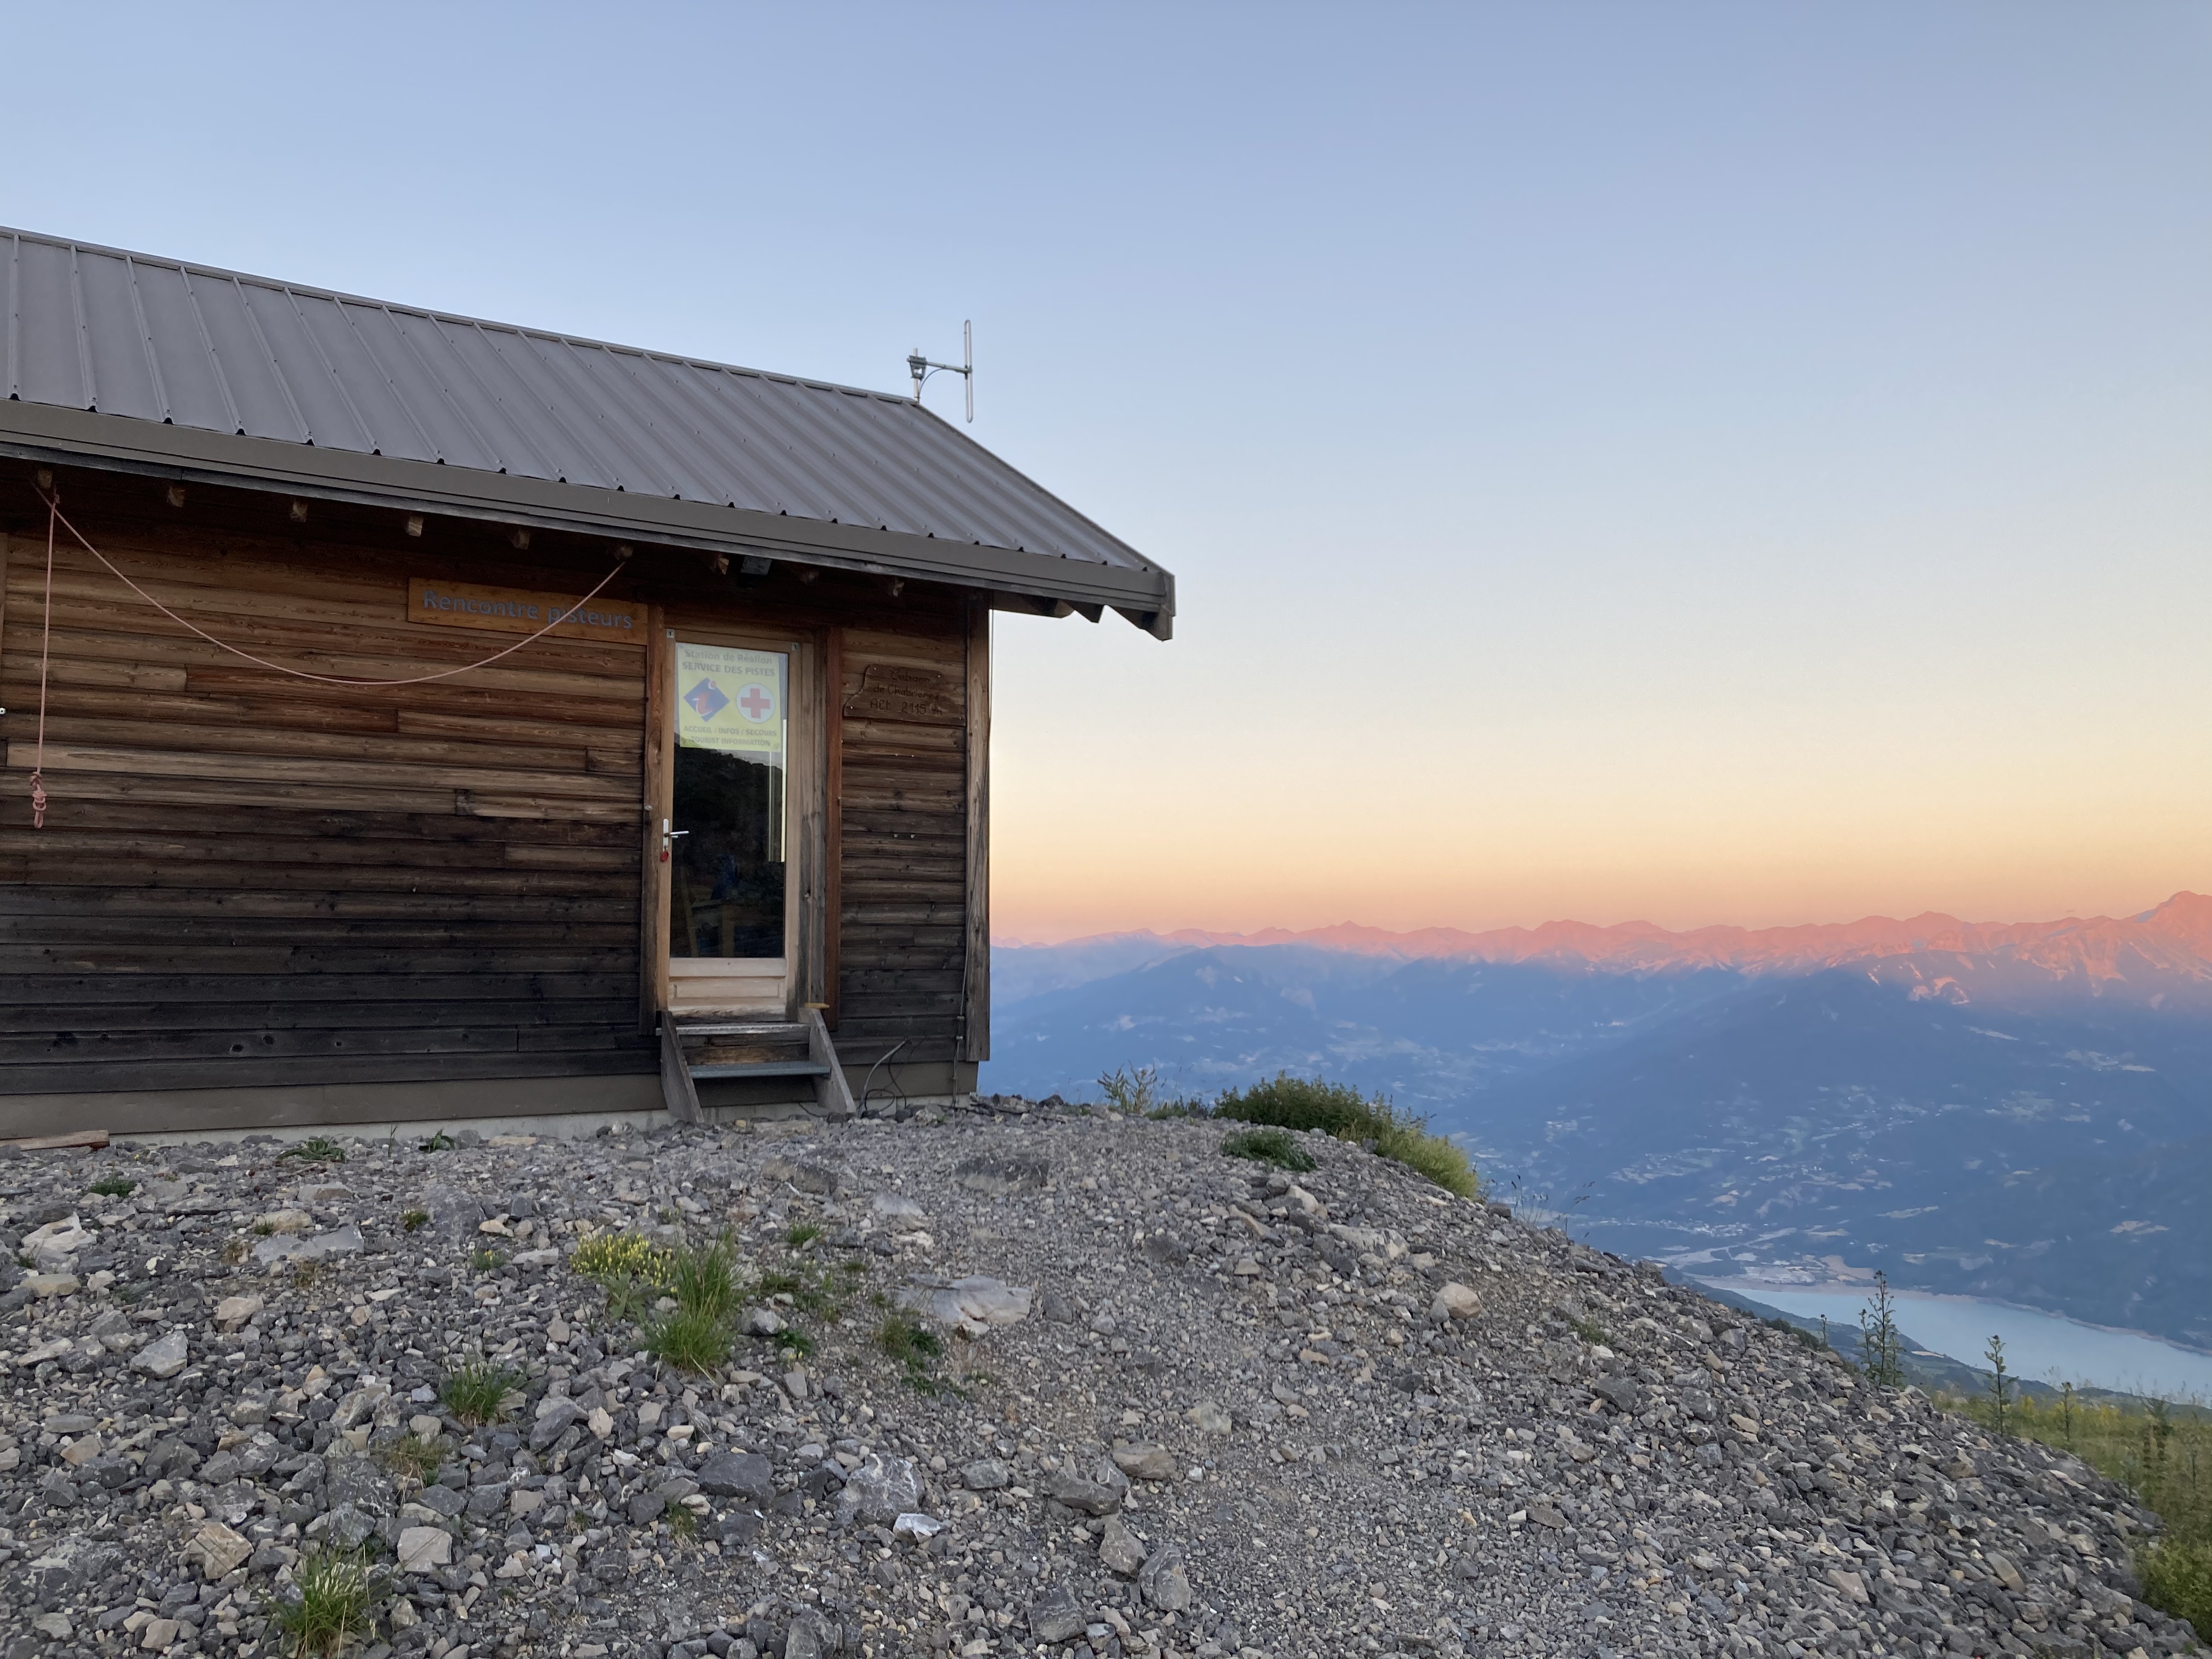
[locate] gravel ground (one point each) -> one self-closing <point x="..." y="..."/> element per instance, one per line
<point x="1185" y="1406"/>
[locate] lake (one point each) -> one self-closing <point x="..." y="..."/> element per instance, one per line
<point x="2040" y="1347"/>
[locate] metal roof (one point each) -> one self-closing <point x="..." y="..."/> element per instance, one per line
<point x="160" y="365"/>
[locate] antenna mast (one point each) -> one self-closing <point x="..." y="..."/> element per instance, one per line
<point x="921" y="368"/>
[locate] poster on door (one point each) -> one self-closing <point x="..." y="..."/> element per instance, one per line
<point x="732" y="700"/>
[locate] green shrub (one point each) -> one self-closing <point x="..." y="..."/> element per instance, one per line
<point x="2177" y="1578"/>
<point x="335" y="1595"/>
<point x="2161" y="1451"/>
<point x="1268" y="1146"/>
<point x="413" y="1220"/>
<point x="482" y="1391"/>
<point x="1136" y="1092"/>
<point x="689" y="1340"/>
<point x="114" y="1186"/>
<point x="316" y="1149"/>
<point x="1342" y="1112"/>
<point x="605" y="1256"/>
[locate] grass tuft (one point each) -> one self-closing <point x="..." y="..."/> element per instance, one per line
<point x="704" y="1280"/>
<point x="335" y="1595"/>
<point x="688" y="1340"/>
<point x="1339" y="1110"/>
<point x="800" y="1234"/>
<point x="415" y="1456"/>
<point x="1268" y="1146"/>
<point x="316" y="1149"/>
<point x="682" y="1523"/>
<point x="413" y="1220"/>
<point x="486" y="1260"/>
<point x="439" y="1142"/>
<point x="483" y="1391"/>
<point x="908" y="1340"/>
<point x="809" y="1292"/>
<point x="916" y="1348"/>
<point x="114" y="1186"/>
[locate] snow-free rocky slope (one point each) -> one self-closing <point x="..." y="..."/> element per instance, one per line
<point x="1231" y="1416"/>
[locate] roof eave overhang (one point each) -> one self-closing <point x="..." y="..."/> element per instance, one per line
<point x="73" y="437"/>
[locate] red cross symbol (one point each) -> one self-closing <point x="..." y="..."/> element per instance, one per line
<point x="756" y="703"/>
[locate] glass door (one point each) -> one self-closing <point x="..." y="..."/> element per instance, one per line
<point x="728" y="832"/>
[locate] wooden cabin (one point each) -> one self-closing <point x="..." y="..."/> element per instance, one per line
<point x="711" y="835"/>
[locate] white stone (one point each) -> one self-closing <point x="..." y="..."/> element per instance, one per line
<point x="283" y="1247"/>
<point x="1209" y="1417"/>
<point x="972" y="1304"/>
<point x="234" y="1311"/>
<point x="1456" y="1301"/>
<point x="82" y="1451"/>
<point x="422" y="1548"/>
<point x="897" y="1212"/>
<point x="164" y="1357"/>
<point x="216" y="1550"/>
<point x="53" y="1246"/>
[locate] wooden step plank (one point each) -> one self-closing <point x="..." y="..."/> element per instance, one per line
<point x="763" y="1068"/>
<point x="757" y="1030"/>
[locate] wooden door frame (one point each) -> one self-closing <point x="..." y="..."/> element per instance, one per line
<point x="805" y="790"/>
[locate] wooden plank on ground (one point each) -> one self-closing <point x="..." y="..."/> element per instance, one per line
<point x="90" y="1139"/>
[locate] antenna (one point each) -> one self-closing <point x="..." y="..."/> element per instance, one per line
<point x="921" y="368"/>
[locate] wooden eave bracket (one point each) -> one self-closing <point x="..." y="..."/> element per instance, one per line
<point x="1160" y="624"/>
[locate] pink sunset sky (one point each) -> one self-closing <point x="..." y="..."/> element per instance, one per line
<point x="1702" y="463"/>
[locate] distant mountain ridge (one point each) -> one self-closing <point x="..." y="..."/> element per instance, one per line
<point x="2015" y="1110"/>
<point x="2174" y="937"/>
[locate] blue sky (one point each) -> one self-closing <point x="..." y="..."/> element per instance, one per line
<point x="1710" y="462"/>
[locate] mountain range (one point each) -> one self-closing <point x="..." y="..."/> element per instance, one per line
<point x="2021" y="1111"/>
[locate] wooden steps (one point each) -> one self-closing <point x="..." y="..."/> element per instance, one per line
<point x="720" y="1050"/>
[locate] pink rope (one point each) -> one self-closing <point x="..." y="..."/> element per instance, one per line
<point x="53" y="504"/>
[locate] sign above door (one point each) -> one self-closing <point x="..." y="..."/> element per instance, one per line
<point x="521" y="611"/>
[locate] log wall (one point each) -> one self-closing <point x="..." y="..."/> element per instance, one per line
<point x="904" y="869"/>
<point x="248" y="879"/>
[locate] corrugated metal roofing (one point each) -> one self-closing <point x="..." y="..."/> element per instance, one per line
<point x="159" y="340"/>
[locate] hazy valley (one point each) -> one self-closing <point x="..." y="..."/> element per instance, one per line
<point x="2019" y="1112"/>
